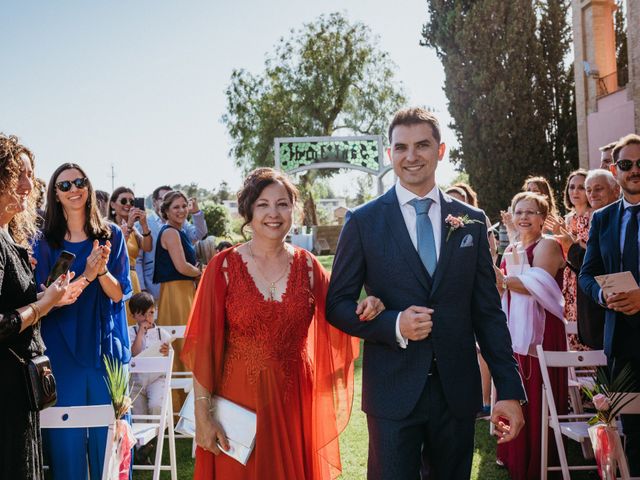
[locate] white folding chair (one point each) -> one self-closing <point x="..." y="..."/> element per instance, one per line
<point x="88" y="416"/>
<point x="148" y="427"/>
<point x="179" y="380"/>
<point x="577" y="380"/>
<point x="573" y="426"/>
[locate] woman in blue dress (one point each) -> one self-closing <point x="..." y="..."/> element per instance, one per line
<point x="79" y="335"/>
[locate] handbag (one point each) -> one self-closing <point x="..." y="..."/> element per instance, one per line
<point x="41" y="384"/>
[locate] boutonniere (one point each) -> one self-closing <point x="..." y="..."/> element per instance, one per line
<point x="454" y="223"/>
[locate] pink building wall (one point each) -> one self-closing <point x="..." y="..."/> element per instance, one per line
<point x="613" y="119"/>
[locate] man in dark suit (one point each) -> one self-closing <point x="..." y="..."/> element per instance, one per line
<point x="613" y="247"/>
<point x="426" y="256"/>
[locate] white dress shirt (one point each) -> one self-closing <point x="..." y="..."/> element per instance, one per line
<point x="409" y="216"/>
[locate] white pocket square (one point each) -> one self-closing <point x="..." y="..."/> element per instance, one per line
<point x="467" y="241"/>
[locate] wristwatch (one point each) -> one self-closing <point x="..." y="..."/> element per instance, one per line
<point x="504" y="283"/>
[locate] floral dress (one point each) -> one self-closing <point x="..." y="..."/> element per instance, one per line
<point x="578" y="225"/>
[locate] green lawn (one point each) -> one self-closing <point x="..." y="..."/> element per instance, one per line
<point x="353" y="446"/>
<point x="353" y="443"/>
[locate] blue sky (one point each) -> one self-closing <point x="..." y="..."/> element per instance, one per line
<point x="140" y="84"/>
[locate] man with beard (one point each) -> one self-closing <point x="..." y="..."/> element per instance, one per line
<point x="613" y="247"/>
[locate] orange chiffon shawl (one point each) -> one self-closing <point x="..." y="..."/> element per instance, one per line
<point x="331" y="355"/>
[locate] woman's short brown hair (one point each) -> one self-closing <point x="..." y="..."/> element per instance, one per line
<point x="168" y="199"/>
<point x="253" y="186"/>
<point x="540" y="201"/>
<point x="22" y="226"/>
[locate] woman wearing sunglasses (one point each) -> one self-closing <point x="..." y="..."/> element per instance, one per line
<point x="123" y="213"/>
<point x="78" y="336"/>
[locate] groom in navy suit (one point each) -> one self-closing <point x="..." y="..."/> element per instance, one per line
<point x="426" y="256"/>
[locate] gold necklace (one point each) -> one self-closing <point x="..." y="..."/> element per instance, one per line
<point x="272" y="285"/>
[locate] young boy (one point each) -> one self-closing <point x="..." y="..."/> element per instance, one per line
<point x="142" y="336"/>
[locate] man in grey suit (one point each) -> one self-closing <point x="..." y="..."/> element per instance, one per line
<point x="426" y="256"/>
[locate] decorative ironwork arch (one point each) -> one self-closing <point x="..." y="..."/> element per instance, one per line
<point x="364" y="153"/>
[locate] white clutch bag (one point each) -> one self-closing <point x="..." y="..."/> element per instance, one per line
<point x="238" y="423"/>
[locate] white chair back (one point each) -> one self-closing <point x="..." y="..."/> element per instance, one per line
<point x="88" y="416"/>
<point x="176" y="331"/>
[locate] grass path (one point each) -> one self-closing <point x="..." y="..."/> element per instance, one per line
<point x="354" y="443"/>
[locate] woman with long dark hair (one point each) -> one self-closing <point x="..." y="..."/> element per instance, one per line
<point x="78" y="336"/>
<point x="20" y="310"/>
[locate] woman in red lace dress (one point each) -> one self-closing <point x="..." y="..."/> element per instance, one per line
<point x="257" y="336"/>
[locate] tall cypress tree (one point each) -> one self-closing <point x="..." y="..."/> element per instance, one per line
<point x="505" y="97"/>
<point x="558" y="91"/>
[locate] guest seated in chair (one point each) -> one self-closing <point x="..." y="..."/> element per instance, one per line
<point x="146" y="388"/>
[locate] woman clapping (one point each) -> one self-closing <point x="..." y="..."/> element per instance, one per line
<point x="78" y="336"/>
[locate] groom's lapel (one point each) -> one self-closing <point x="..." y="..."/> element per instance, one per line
<point x="446" y="247"/>
<point x="398" y="229"/>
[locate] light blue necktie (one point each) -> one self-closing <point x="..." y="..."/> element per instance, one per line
<point x="424" y="229"/>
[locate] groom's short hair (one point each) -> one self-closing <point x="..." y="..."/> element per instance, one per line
<point x="413" y="116"/>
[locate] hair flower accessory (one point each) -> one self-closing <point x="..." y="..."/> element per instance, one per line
<point x="454" y="223"/>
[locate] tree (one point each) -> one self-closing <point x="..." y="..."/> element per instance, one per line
<point x="507" y="90"/>
<point x="217" y="218"/>
<point x="193" y="190"/>
<point x="222" y="193"/>
<point x="328" y="76"/>
<point x="558" y="92"/>
<point x="622" y="55"/>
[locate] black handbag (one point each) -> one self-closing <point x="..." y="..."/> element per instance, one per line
<point x="41" y="384"/>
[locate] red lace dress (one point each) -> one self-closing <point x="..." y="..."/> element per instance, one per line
<point x="579" y="227"/>
<point x="280" y="359"/>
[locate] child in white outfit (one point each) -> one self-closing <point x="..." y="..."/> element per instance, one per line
<point x="146" y="388"/>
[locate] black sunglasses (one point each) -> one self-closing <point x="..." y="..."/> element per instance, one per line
<point x="125" y="201"/>
<point x="65" y="186"/>
<point x="626" y="165"/>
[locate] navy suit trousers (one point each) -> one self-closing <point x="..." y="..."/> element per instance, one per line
<point x="430" y="437"/>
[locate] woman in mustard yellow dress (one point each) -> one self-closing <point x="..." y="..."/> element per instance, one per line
<point x="176" y="271"/>
<point x="123" y="213"/>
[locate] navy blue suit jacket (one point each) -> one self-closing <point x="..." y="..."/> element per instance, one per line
<point x="375" y="250"/>
<point x="621" y="332"/>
